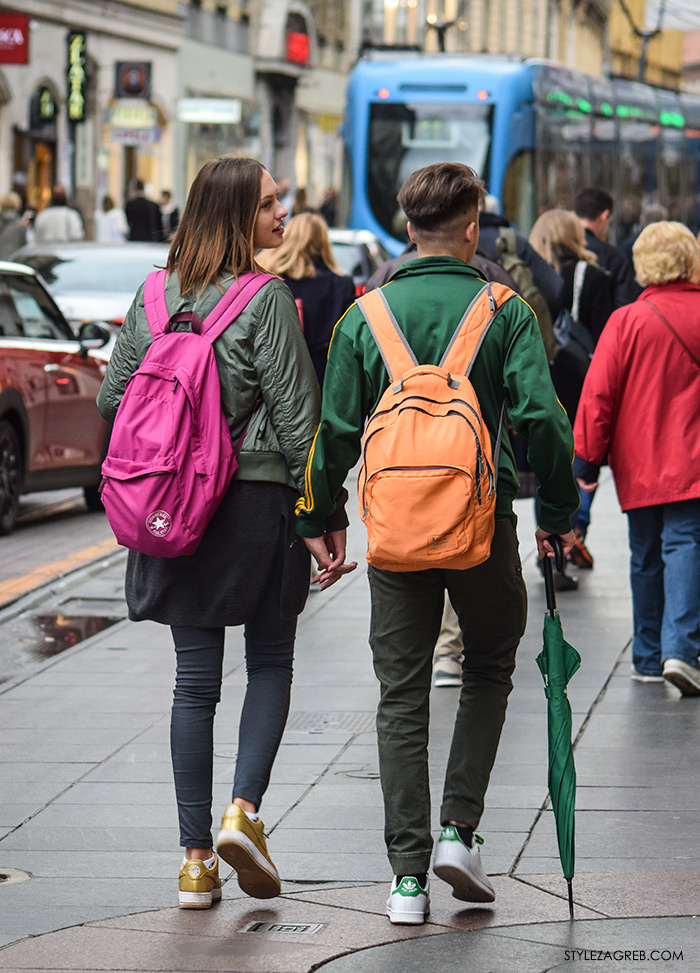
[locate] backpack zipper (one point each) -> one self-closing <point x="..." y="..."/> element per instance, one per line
<point x="481" y="462"/>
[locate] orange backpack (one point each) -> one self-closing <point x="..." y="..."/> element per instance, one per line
<point x="427" y="485"/>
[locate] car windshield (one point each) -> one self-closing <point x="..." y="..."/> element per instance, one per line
<point x="94" y="271"/>
<point x="348" y="256"/>
<point x="406" y="137"/>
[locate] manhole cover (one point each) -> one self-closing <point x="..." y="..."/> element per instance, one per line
<point x="358" y="722"/>
<point x="359" y="774"/>
<point x="298" y="928"/>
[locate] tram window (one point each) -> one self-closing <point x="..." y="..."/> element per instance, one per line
<point x="345" y="201"/>
<point x="564" y="140"/>
<point x="636" y="171"/>
<point x="519" y="191"/>
<point x="672" y="190"/>
<point x="560" y="175"/>
<point x="406" y="137"/>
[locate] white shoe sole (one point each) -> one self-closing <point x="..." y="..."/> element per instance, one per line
<point x="257" y="876"/>
<point x="442" y="682"/>
<point x="678" y="678"/>
<point x="199" y="900"/>
<point x="402" y="918"/>
<point x="465" y="887"/>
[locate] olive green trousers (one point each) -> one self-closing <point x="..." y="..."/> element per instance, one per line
<point x="491" y="604"/>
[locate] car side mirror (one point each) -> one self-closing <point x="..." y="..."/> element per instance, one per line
<point x="92" y="335"/>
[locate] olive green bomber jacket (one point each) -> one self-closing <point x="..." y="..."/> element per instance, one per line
<point x="428" y="297"/>
<point x="262" y="352"/>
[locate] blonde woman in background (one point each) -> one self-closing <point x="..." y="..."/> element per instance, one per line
<point x="558" y="236"/>
<point x="323" y="294"/>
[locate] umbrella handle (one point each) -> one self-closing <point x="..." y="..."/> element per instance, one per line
<point x="555" y="541"/>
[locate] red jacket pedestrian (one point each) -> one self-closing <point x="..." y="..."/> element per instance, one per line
<point x="639" y="404"/>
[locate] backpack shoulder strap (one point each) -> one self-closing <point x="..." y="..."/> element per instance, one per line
<point x="395" y="351"/>
<point x="505" y="241"/>
<point x="156" y="309"/>
<point x="232" y="302"/>
<point x="462" y="350"/>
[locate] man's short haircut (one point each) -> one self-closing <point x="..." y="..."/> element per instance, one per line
<point x="433" y="197"/>
<point x="590" y="203"/>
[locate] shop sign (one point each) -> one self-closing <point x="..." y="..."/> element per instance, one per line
<point x="213" y="111"/>
<point x="132" y="79"/>
<point x="14" y="38"/>
<point x="120" y="135"/>
<point x="132" y="115"/>
<point x="77" y="76"/>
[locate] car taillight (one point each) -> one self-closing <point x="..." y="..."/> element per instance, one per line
<point x="118" y="321"/>
<point x="359" y="290"/>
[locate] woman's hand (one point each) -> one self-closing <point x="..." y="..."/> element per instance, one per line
<point x="329" y="553"/>
<point x="586" y="485"/>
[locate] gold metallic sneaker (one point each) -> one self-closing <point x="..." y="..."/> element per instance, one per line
<point x="199" y="885"/>
<point x="241" y="843"/>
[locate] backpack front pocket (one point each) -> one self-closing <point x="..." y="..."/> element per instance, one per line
<point x="416" y="517"/>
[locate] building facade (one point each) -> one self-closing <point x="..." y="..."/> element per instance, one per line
<point x="95" y="96"/>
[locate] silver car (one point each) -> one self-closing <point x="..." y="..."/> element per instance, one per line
<point x="93" y="281"/>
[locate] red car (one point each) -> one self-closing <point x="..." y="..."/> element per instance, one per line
<point x="51" y="434"/>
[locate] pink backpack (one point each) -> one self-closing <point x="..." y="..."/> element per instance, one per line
<point x="170" y="459"/>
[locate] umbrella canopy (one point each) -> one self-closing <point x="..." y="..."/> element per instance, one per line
<point x="558" y="661"/>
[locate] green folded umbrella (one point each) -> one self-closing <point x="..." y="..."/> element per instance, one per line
<point x="558" y="661"/>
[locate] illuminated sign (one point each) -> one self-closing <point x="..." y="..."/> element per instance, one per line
<point x="297" y="44"/>
<point x="133" y="115"/>
<point x="77" y="77"/>
<point x="14" y="38"/>
<point x="212" y="111"/>
<point x="297" y="48"/>
<point x="42" y="110"/>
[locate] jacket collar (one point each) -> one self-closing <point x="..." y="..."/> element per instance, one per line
<point x="436" y="265"/>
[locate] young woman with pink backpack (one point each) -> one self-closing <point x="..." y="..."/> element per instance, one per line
<point x="249" y="568"/>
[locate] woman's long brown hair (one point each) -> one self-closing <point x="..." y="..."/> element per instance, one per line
<point x="215" y="235"/>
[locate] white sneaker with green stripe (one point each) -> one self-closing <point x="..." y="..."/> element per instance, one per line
<point x="408" y="903"/>
<point x="460" y="866"/>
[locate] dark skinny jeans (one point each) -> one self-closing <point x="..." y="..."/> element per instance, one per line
<point x="269" y="652"/>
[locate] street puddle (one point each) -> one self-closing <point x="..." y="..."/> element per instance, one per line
<point x="60" y="632"/>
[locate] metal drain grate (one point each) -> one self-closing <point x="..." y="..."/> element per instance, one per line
<point x="298" y="928"/>
<point x="357" y="722"/>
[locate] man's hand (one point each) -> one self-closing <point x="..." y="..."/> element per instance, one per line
<point x="544" y="547"/>
<point x="329" y="553"/>
<point x="586" y="485"/>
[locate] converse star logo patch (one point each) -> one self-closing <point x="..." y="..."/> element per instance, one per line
<point x="159" y="523"/>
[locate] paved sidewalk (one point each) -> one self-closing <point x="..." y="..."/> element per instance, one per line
<point x="87" y="807"/>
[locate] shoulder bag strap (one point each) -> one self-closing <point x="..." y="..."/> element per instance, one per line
<point x="232" y="302"/>
<point x="468" y="339"/>
<point x="157" y="314"/>
<point x="395" y="351"/>
<point x="579" y="275"/>
<point x="672" y="330"/>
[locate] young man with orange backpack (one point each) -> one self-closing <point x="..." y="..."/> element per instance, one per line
<point x="434" y="359"/>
